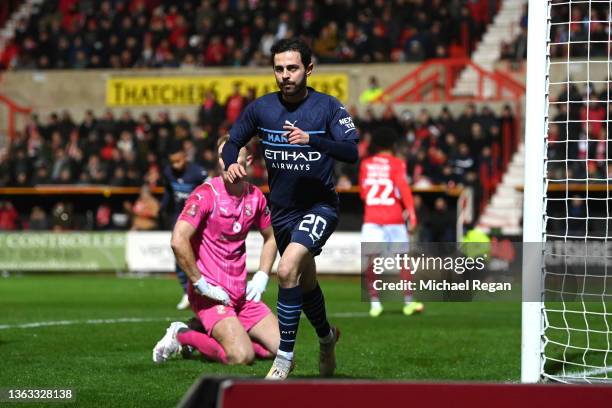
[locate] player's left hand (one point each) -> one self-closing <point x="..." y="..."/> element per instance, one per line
<point x="257" y="286"/>
<point x="296" y="135"/>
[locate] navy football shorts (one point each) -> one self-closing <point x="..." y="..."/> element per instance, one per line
<point x="312" y="228"/>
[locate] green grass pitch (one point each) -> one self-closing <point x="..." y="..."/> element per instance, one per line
<point x="109" y="363"/>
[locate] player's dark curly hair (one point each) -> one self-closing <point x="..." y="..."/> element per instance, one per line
<point x="383" y="138"/>
<point x="292" y="44"/>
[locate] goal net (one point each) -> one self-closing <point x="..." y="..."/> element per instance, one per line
<point x="567" y="333"/>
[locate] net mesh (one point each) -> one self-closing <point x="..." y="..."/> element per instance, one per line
<point x="577" y="312"/>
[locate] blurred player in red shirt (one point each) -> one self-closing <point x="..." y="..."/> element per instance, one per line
<point x="386" y="196"/>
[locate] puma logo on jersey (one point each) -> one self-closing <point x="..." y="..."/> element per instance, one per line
<point x="223" y="210"/>
<point x="290" y="124"/>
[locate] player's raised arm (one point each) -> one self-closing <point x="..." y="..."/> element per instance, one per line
<point x="241" y="132"/>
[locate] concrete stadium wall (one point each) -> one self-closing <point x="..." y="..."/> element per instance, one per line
<point x="78" y="91"/>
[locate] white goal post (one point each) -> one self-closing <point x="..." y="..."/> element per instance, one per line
<point x="536" y="122"/>
<point x="567" y="210"/>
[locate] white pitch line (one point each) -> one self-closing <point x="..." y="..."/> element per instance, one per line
<point x="590" y="373"/>
<point x="348" y="314"/>
<point x="130" y="320"/>
<point x="88" y="321"/>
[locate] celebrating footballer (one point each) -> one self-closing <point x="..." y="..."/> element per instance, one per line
<point x="303" y="133"/>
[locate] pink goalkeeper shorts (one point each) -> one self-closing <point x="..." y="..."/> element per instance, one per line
<point x="211" y="312"/>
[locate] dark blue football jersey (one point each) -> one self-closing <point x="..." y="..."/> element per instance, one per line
<point x="178" y="186"/>
<point x="299" y="176"/>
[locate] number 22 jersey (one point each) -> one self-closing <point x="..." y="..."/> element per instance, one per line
<point x="385" y="190"/>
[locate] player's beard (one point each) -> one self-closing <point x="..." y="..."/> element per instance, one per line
<point x="297" y="89"/>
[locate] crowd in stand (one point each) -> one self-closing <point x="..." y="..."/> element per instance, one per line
<point x="123" y="150"/>
<point x="67" y="34"/>
<point x="584" y="24"/>
<point x="580" y="23"/>
<point x="578" y="136"/>
<point x="516" y="50"/>
<point x="579" y="139"/>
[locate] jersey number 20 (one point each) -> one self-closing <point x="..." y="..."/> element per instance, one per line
<point x="314" y="225"/>
<point x="379" y="192"/>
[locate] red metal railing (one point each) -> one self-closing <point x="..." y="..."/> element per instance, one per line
<point x="13" y="110"/>
<point x="434" y="80"/>
<point x="424" y="83"/>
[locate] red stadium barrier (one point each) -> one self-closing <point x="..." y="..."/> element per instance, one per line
<point x="237" y="393"/>
<point x="13" y="110"/>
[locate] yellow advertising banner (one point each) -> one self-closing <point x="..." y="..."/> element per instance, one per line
<point x="171" y="90"/>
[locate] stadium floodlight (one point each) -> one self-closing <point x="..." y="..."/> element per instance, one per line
<point x="566" y="328"/>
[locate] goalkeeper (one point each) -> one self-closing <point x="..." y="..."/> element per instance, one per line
<point x="209" y="244"/>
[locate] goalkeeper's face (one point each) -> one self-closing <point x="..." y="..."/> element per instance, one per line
<point x="290" y="73"/>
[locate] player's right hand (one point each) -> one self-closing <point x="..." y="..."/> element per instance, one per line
<point x="217" y="293"/>
<point x="212" y="292"/>
<point x="235" y="172"/>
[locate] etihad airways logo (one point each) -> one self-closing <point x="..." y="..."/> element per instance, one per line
<point x="286" y="155"/>
<point x="297" y="160"/>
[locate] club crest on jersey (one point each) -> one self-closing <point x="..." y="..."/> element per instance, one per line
<point x="221" y="309"/>
<point x="247" y="210"/>
<point x="236" y="227"/>
<point x="267" y="211"/>
<point x="193" y="210"/>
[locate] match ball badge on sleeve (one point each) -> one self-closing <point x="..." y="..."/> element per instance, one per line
<point x="193" y="210"/>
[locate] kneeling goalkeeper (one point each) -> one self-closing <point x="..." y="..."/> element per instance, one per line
<point x="208" y="241"/>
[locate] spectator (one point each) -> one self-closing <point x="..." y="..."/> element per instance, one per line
<point x="210" y="115"/>
<point x="235" y="104"/>
<point x="103" y="217"/>
<point x="38" y="219"/>
<point x="145" y="211"/>
<point x="118" y="179"/>
<point x="414" y="52"/>
<point x="9" y="218"/>
<point x="441" y="222"/>
<point x="372" y="92"/>
<point x="463" y="162"/>
<point x="5" y="168"/>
